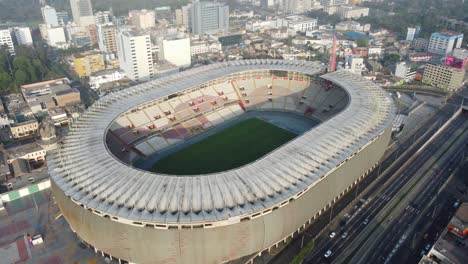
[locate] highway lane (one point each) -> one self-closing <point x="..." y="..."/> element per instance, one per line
<point x="401" y="226"/>
<point x="355" y="225"/>
<point x="395" y="156"/>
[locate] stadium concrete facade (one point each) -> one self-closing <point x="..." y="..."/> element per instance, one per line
<point x="142" y="217"/>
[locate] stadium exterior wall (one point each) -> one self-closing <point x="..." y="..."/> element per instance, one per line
<point x="219" y="243"/>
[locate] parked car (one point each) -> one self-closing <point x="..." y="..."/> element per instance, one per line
<point x="344" y="235"/>
<point x="366" y="221"/>
<point x="327" y="254"/>
<point x="332" y="235"/>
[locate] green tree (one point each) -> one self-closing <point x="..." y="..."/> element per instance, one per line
<point x="362" y="42"/>
<point x="5" y="81"/>
<point x="21" y="77"/>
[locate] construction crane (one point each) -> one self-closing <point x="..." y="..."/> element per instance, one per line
<point x="332" y="63"/>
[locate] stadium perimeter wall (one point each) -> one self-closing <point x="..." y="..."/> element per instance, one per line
<point x="225" y="240"/>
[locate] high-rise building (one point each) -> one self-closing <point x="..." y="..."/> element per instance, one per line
<point x="142" y="18"/>
<point x="87" y="63"/>
<point x="412" y="33"/>
<point x="443" y="43"/>
<point x="103" y="17"/>
<point x="49" y="15"/>
<point x="176" y="50"/>
<point x="82" y="12"/>
<point x="209" y="17"/>
<point x="444" y="76"/>
<point x="135" y="53"/>
<point x="23" y="35"/>
<point x="187" y="17"/>
<point x="179" y="19"/>
<point x="63" y="18"/>
<point x="106" y="38"/>
<point x="5" y="40"/>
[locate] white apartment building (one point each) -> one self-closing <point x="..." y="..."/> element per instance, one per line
<point x="23" y="35"/>
<point x="352" y="12"/>
<point x="5" y="39"/>
<point x="412" y="33"/>
<point x="142" y="18"/>
<point x="176" y="50"/>
<point x="97" y="79"/>
<point x="300" y="24"/>
<point x="443" y="43"/>
<point x="404" y="71"/>
<point x="293" y="24"/>
<point x="102" y="17"/>
<point x="49" y="16"/>
<point x="200" y="46"/>
<point x="56" y="37"/>
<point x="356" y="64"/>
<point x="135" y="54"/>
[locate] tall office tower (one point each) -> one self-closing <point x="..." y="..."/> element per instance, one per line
<point x="106" y="38"/>
<point x="49" y="15"/>
<point x="135" y="53"/>
<point x="411" y="33"/>
<point x="23" y="35"/>
<point x="209" y="17"/>
<point x="443" y="43"/>
<point x="142" y="18"/>
<point x="63" y="18"/>
<point x="82" y="12"/>
<point x="5" y="39"/>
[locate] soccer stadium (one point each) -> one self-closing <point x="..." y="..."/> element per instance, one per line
<point x="217" y="163"/>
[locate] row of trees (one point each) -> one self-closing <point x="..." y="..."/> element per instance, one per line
<point x="28" y="66"/>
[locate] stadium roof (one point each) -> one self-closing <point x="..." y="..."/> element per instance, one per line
<point x="86" y="171"/>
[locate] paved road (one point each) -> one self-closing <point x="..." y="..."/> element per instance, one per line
<point x="396" y="154"/>
<point x="402" y="225"/>
<point x="356" y="224"/>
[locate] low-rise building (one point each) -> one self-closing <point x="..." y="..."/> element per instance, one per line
<point x="22" y="125"/>
<point x="31" y="152"/>
<point x="49" y="94"/>
<point x="420" y="44"/>
<point x="58" y="116"/>
<point x="444" y="76"/>
<point x="4" y="168"/>
<point x="88" y="62"/>
<point x="352" y="26"/>
<point x="204" y="45"/>
<point x="450" y="248"/>
<point x="99" y="78"/>
<point x="352" y="12"/>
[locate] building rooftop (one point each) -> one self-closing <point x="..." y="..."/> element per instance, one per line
<point x="21" y="150"/>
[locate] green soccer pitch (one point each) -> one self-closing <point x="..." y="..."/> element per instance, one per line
<point x="231" y="148"/>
